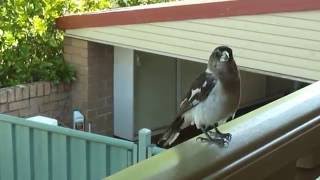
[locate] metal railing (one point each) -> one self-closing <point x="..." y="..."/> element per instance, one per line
<point x="35" y="151"/>
<point x="145" y="148"/>
<point x="264" y="141"/>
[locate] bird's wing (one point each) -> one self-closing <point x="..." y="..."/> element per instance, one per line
<point x="199" y="91"/>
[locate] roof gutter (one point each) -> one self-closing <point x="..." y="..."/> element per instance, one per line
<point x="183" y="11"/>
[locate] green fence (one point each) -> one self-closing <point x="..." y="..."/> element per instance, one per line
<point x="34" y="151"/>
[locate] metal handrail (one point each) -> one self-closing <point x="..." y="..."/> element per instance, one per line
<point x="264" y="141"/>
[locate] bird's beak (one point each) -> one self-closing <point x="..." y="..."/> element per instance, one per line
<point x="225" y="56"/>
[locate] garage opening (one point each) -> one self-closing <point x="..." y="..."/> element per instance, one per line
<point x="161" y="82"/>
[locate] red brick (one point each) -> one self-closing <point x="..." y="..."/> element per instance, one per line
<point x="40" y="90"/>
<point x="92" y="92"/>
<point x="47" y="88"/>
<point x="67" y="57"/>
<point x="78" y="61"/>
<point x="110" y="116"/>
<point x="90" y="114"/>
<point x="83" y="52"/>
<point x="33" y="90"/>
<point x="79" y="43"/>
<point x="54" y="87"/>
<point x="18" y="93"/>
<point x="83" y="70"/>
<point x="46" y="99"/>
<point x="34" y="109"/>
<point x="110" y="100"/>
<point x="25" y="92"/>
<point x="25" y="112"/>
<point x="48" y="107"/>
<point x="18" y="105"/>
<point x="60" y="88"/>
<point x="64" y="95"/>
<point x="3" y="95"/>
<point x="21" y="92"/>
<point x="37" y="101"/>
<point x="4" y="108"/>
<point x="10" y="94"/>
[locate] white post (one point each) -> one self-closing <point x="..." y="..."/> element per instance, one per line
<point x="123" y="87"/>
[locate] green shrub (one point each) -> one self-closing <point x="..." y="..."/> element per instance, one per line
<point x="31" y="46"/>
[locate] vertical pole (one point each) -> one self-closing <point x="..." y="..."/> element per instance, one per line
<point x="144" y="143"/>
<point x="123" y="88"/>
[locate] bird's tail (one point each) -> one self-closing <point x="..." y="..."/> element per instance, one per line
<point x="171" y="133"/>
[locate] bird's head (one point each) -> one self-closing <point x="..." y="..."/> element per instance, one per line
<point x="220" y="56"/>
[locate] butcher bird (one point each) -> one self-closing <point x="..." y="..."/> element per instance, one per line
<point x="212" y="99"/>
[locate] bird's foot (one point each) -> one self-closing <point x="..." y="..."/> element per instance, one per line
<point x="215" y="134"/>
<point x="223" y="142"/>
<point x="226" y="136"/>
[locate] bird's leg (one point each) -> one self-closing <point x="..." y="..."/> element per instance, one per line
<point x="226" y="136"/>
<point x="210" y="132"/>
<point x="209" y="139"/>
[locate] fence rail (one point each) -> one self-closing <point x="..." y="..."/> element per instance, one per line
<point x="35" y="151"/>
<point x="264" y="141"/>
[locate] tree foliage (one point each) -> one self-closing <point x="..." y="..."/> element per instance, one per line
<point x="31" y="46"/>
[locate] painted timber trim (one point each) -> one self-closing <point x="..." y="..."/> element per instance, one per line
<point x="284" y="129"/>
<point x="183" y="11"/>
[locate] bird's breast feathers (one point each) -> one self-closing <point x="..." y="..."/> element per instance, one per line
<point x="213" y="109"/>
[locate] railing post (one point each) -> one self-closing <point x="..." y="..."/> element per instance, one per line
<point x="144" y="143"/>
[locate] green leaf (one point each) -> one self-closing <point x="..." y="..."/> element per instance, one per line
<point x="39" y="25"/>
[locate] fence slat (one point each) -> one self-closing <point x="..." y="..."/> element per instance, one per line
<point x="129" y="158"/>
<point x="59" y="157"/>
<point x="118" y="159"/>
<point x="40" y="154"/>
<point x="135" y="154"/>
<point x="78" y="161"/>
<point x="6" y="152"/>
<point x="108" y="159"/>
<point x="99" y="160"/>
<point x="23" y="153"/>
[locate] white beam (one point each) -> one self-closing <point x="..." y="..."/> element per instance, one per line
<point x="123" y="92"/>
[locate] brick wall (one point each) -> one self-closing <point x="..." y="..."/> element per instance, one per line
<point x="40" y="98"/>
<point x="92" y="92"/>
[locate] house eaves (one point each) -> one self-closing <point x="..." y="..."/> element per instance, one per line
<point x="183" y="10"/>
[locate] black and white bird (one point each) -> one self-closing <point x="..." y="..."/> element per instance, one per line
<point x="211" y="100"/>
